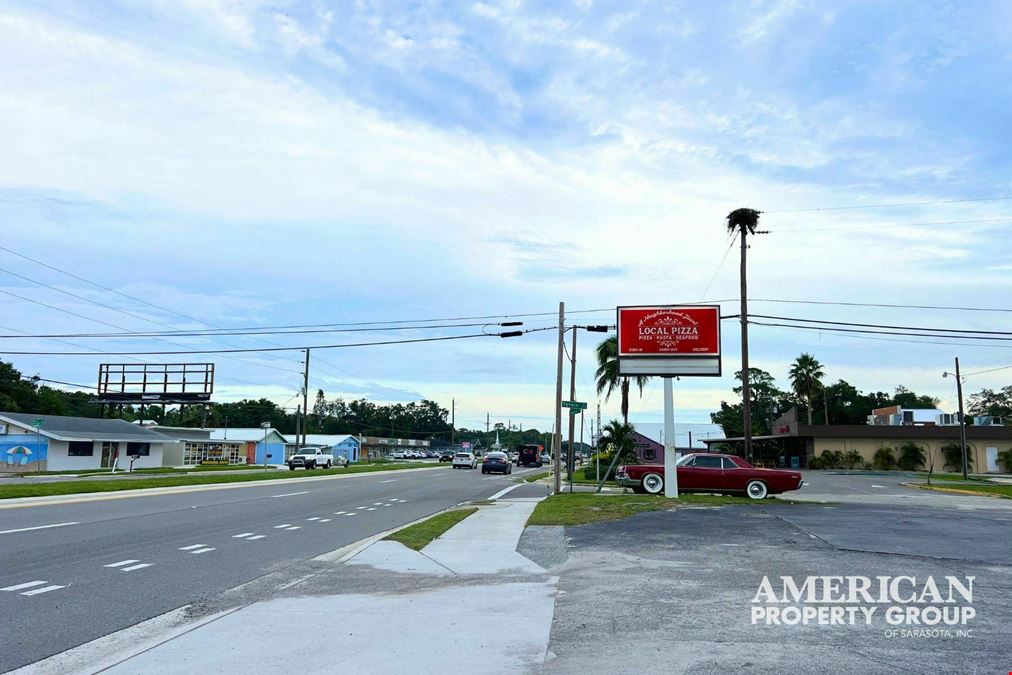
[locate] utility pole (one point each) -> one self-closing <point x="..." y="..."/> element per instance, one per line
<point x="487" y="419"/>
<point x="572" y="418"/>
<point x="557" y="432"/>
<point x="962" y="424"/>
<point x="744" y="221"/>
<point x="305" y="404"/>
<point x="453" y="421"/>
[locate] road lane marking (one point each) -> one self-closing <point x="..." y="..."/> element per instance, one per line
<point x="351" y="514"/>
<point x="203" y="550"/>
<point x="42" y="590"/>
<point x="324" y="520"/>
<point x="340" y="513"/>
<point x="371" y="508"/>
<point x="281" y="527"/>
<point x="499" y="494"/>
<point x="313" y="518"/>
<point x="377" y="503"/>
<point x="192" y="546"/>
<point x="142" y="565"/>
<point x="121" y="563"/>
<point x="293" y="527"/>
<point x="290" y="494"/>
<point x="38" y="527"/>
<point x="360" y="507"/>
<point x="388" y="505"/>
<point x="259" y="536"/>
<point x="882" y="486"/>
<point x="392" y="480"/>
<point x="23" y="586"/>
<point x="243" y="535"/>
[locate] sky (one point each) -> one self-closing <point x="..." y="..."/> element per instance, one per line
<point x="237" y="164"/>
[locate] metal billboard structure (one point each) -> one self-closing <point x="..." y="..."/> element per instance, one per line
<point x="147" y="384"/>
<point x="669" y="341"/>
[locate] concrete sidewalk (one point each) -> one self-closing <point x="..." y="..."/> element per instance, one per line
<point x="467" y="603"/>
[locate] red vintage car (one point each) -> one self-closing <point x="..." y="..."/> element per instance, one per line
<point x="699" y="472"/>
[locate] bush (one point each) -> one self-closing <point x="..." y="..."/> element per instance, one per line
<point x="884" y="459"/>
<point x="853" y="458"/>
<point x="814" y="463"/>
<point x="1005" y="460"/>
<point x="911" y="456"/>
<point x="953" y="458"/>
<point x="831" y="459"/>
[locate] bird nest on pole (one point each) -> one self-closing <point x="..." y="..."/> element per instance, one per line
<point x="743" y="219"/>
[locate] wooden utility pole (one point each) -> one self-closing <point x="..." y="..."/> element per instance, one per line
<point x="572" y="418"/>
<point x="962" y="423"/>
<point x="453" y="420"/>
<point x="557" y="432"/>
<point x="305" y="403"/>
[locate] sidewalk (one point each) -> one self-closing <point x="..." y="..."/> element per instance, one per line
<point x="466" y="603"/>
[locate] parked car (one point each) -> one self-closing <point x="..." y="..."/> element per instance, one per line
<point x="399" y="454"/>
<point x="514" y="456"/>
<point x="464" y="460"/>
<point x="432" y="454"/>
<point x="310" y="458"/>
<point x="446" y="457"/>
<point x="697" y="472"/>
<point x="497" y="462"/>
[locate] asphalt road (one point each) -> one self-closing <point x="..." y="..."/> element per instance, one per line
<point x="94" y="567"/>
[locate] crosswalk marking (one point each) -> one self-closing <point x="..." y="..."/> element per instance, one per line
<point x="244" y="534"/>
<point x="45" y="589"/>
<point x="23" y="586"/>
<point x="142" y="566"/>
<point x="121" y="563"/>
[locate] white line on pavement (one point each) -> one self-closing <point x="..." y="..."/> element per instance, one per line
<point x="203" y="550"/>
<point x="371" y="508"/>
<point x="359" y="507"/>
<point x="388" y="505"/>
<point x="499" y="494"/>
<point x="21" y="586"/>
<point x="290" y="494"/>
<point x="340" y="513"/>
<point x="259" y="536"/>
<point x="293" y="527"/>
<point x="313" y="518"/>
<point x="143" y="565"/>
<point x="280" y="527"/>
<point x="192" y="546"/>
<point x="324" y="520"/>
<point x="377" y="503"/>
<point x="392" y="480"/>
<point x="38" y="527"/>
<point x="351" y="514"/>
<point x="437" y="475"/>
<point x="878" y="486"/>
<point x="243" y="535"/>
<point x="121" y="563"/>
<point x="46" y="589"/>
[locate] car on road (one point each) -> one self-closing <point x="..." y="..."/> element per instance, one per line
<point x="514" y="456"/>
<point x="530" y="454"/>
<point x="497" y="462"/>
<point x="310" y="458"/>
<point x="545" y="458"/>
<point x="464" y="460"/>
<point x="705" y="472"/>
<point x="446" y="457"/>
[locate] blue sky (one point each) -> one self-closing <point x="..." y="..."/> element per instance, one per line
<point x="263" y="163"/>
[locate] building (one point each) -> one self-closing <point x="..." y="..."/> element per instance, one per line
<point x="253" y="440"/>
<point x="689" y="437"/>
<point x="792" y="444"/>
<point x="339" y="445"/>
<point x="56" y="443"/>
<point x="648" y="450"/>
<point x="376" y="447"/>
<point x="194" y="447"/>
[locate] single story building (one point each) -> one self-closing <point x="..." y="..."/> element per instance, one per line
<point x="688" y="438"/>
<point x="376" y="447"/>
<point x="30" y="442"/>
<point x="253" y="440"/>
<point x="339" y="445"/>
<point x="194" y="447"/>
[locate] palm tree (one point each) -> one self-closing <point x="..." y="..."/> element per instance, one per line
<point x="617" y="437"/>
<point x="608" y="378"/>
<point x="806" y="374"/>
<point x="911" y="456"/>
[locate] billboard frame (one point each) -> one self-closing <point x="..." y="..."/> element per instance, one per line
<point x="669" y="365"/>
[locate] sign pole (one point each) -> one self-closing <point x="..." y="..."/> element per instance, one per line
<point x="670" y="460"/>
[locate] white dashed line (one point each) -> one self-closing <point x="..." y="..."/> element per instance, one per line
<point x="360" y="507"/>
<point x="324" y="520"/>
<point x="142" y="565"/>
<point x="259" y="536"/>
<point x="243" y="535"/>
<point x="45" y="589"/>
<point x="388" y="505"/>
<point x="192" y="546"/>
<point x="38" y="527"/>
<point x="23" y="586"/>
<point x="281" y="527"/>
<point x="371" y="508"/>
<point x="883" y="486"/>
<point x="290" y="494"/>
<point x="350" y="514"/>
<point x="392" y="480"/>
<point x="313" y="518"/>
<point x="121" y="563"/>
<point x="293" y="527"/>
<point x="340" y="513"/>
<point x="203" y="550"/>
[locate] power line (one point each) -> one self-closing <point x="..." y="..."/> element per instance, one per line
<point x="865" y="226"/>
<point x="719" y="266"/>
<point x="880" y="332"/>
<point x="881" y="305"/>
<point x="891" y="205"/>
<point x="881" y="325"/>
<point x="886" y="339"/>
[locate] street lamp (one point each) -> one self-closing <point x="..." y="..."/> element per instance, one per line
<point x="962" y="426"/>
<point x="265" y="426"/>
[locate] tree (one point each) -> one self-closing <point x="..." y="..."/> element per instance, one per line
<point x="1005" y="459"/>
<point x="852" y="458"/>
<point x="617" y="437"/>
<point x="992" y="403"/>
<point x="884" y="459"/>
<point x="911" y="456"/>
<point x="953" y="458"/>
<point x="908" y="399"/>
<point x="608" y="378"/>
<point x="806" y="375"/>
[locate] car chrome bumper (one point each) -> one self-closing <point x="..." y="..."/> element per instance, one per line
<point x="626" y="481"/>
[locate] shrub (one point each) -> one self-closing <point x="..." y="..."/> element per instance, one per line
<point x="814" y="463"/>
<point x="953" y="458"/>
<point x="853" y="458"/>
<point x="884" y="459"/>
<point x="911" y="456"/>
<point x="832" y="459"/>
<point x="1005" y="460"/>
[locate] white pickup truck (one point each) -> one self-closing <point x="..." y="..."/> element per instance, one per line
<point x="310" y="458"/>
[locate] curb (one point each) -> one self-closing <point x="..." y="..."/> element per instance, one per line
<point x="955" y="491"/>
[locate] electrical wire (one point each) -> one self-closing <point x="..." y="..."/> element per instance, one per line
<point x="719" y="266"/>
<point x="879" y="332"/>
<point x="888" y="206"/>
<point x="880" y="325"/>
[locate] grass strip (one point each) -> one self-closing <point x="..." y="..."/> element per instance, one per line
<point x="537" y="476"/>
<point x="582" y="508"/>
<point x="993" y="490"/>
<point x="420" y="534"/>
<point x="71" y="487"/>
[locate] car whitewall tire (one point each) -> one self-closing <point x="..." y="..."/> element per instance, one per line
<point x="653" y="483"/>
<point x="756" y="489"/>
